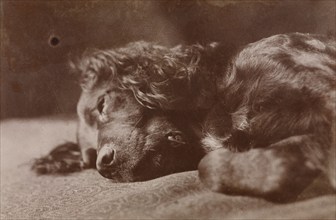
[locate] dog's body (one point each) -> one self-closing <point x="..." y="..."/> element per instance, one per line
<point x="280" y="96"/>
<point x="268" y="116"/>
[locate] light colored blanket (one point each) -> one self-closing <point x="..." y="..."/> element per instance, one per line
<point x="87" y="195"/>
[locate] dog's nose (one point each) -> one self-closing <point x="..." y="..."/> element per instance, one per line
<point x="106" y="157"/>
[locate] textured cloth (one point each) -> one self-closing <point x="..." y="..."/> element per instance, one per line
<point x="87" y="195"/>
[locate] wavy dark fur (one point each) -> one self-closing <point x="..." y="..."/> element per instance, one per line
<point x="159" y="77"/>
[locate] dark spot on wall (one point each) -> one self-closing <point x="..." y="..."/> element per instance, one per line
<point x="54" y="41"/>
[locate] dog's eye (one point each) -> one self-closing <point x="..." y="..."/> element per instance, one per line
<point x="101" y="105"/>
<point x="175" y="138"/>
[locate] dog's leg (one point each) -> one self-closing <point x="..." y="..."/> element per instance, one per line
<point x="278" y="173"/>
<point x="64" y="158"/>
<point x="70" y="157"/>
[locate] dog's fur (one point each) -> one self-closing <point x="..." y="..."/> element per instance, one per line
<point x="266" y="115"/>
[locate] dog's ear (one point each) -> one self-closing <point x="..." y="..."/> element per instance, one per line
<point x="159" y="77"/>
<point x="170" y="79"/>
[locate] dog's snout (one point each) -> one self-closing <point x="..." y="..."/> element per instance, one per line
<point x="106" y="157"/>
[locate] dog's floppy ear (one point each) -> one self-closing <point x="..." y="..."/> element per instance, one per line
<point x="171" y="79"/>
<point x="159" y="77"/>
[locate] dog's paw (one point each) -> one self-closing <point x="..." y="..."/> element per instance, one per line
<point x="270" y="173"/>
<point x="65" y="158"/>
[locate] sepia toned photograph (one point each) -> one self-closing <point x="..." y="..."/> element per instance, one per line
<point x="168" y="109"/>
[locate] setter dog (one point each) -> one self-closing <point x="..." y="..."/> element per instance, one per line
<point x="262" y="117"/>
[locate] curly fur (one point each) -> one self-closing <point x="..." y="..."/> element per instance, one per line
<point x="266" y="115"/>
<point x="159" y="77"/>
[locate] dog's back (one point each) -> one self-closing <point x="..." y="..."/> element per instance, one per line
<point x="280" y="96"/>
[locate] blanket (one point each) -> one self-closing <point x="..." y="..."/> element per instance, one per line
<point x="87" y="195"/>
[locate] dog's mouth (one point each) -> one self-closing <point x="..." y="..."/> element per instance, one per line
<point x="147" y="164"/>
<point x="110" y="174"/>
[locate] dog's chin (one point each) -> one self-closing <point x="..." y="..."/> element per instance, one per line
<point x="117" y="177"/>
<point x="124" y="176"/>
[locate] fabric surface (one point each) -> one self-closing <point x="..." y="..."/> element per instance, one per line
<point x="87" y="195"/>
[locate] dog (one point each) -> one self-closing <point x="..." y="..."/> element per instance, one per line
<point x="257" y="121"/>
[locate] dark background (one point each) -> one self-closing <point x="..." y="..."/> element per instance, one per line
<point x="38" y="37"/>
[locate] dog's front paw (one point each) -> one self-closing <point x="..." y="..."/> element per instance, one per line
<point x="270" y="173"/>
<point x="65" y="158"/>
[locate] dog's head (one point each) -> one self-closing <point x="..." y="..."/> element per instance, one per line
<point x="143" y="99"/>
